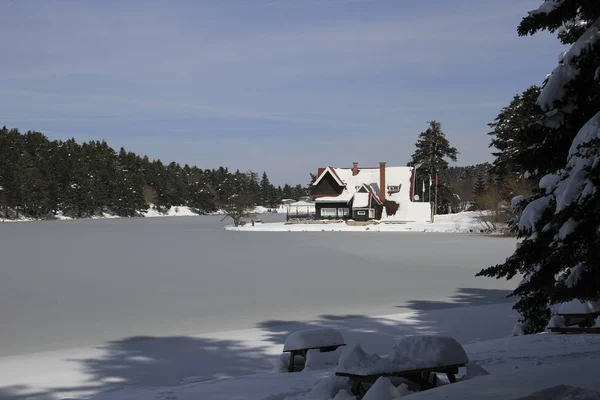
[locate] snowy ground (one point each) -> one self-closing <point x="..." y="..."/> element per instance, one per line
<point x="176" y="211"/>
<point x="239" y="364"/>
<point x="466" y="222"/>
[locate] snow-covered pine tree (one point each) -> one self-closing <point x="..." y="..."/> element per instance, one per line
<point x="560" y="223"/>
<point x="433" y="150"/>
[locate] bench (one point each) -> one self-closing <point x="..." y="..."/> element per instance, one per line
<point x="418" y="376"/>
<point x="584" y="322"/>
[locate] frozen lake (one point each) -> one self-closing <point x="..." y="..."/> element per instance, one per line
<point x="78" y="283"/>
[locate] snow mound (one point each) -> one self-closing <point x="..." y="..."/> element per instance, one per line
<point x="313" y="338"/>
<point x="562" y="392"/>
<point x="327" y="388"/>
<point x="383" y="389"/>
<point x="316" y="359"/>
<point x="556" y="322"/>
<point x="409" y="353"/>
<point x="579" y="307"/>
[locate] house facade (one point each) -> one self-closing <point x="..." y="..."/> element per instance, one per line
<point x="361" y="194"/>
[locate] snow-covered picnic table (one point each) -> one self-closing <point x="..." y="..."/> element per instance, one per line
<point x="581" y="313"/>
<point x="301" y="342"/>
<point x="416" y="359"/>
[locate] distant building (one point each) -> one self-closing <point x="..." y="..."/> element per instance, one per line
<point x="384" y="193"/>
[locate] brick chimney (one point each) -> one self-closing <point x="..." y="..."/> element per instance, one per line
<point x="382" y="187"/>
<point x="354" y="168"/>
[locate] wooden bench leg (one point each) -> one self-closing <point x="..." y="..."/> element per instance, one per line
<point x="451" y="377"/>
<point x="357" y="389"/>
<point x="291" y="363"/>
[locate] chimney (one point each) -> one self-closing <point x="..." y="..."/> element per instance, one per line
<point x="382" y="187"/>
<point x="354" y="168"/>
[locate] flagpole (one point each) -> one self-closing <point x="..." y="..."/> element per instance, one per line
<point x="436" y="192"/>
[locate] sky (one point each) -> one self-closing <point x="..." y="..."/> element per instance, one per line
<point x="283" y="86"/>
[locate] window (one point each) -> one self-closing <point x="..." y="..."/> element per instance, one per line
<point x="328" y="212"/>
<point x="361" y="212"/>
<point x="393" y="189"/>
<point x="343" y="212"/>
<point x="371" y="213"/>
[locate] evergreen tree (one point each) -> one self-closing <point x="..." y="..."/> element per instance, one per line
<point x="559" y="251"/>
<point x="286" y="192"/>
<point x="480" y="186"/>
<point x="266" y="192"/>
<point x="523" y="144"/>
<point x="432" y="150"/>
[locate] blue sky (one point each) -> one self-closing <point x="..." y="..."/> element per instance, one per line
<point x="284" y="86"/>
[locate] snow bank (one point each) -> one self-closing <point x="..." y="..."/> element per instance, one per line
<point x="409" y="353"/>
<point x="383" y="389"/>
<point x="466" y="222"/>
<point x="313" y="338"/>
<point x="316" y="359"/>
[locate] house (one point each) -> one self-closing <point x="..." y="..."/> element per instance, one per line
<point x="384" y="193"/>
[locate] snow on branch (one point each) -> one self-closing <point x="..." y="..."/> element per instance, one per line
<point x="565" y="72"/>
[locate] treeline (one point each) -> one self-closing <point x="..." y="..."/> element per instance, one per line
<point x="40" y="177"/>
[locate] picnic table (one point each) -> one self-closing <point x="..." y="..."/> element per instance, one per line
<point x="418" y="376"/>
<point x="584" y="322"/>
<point x="322" y="339"/>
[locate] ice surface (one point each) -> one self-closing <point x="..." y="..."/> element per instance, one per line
<point x="409" y="353"/>
<point x="383" y="389"/>
<point x="312" y="338"/>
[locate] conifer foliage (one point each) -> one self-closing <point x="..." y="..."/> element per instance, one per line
<point x="559" y="225"/>
<point x="39" y="177"/>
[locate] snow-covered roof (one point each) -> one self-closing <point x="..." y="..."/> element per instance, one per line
<point x="394" y="176"/>
<point x="361" y="200"/>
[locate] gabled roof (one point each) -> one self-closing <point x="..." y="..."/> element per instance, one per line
<point x="333" y="173"/>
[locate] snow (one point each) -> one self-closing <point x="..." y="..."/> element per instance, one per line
<point x="574" y="275"/>
<point x="547" y="7"/>
<point x="571" y="189"/>
<point x="313" y="338"/>
<point x="466" y="222"/>
<point x="579" y="307"/>
<point x="554" y="89"/>
<point x="361" y="200"/>
<point x="516" y="201"/>
<point x="409" y="353"/>
<point x="517" y="366"/>
<point x="562" y="392"/>
<point x="383" y="389"/>
<point x="568" y="227"/>
<point x="533" y="212"/>
<point x="549" y="182"/>
<point x="316" y="359"/>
